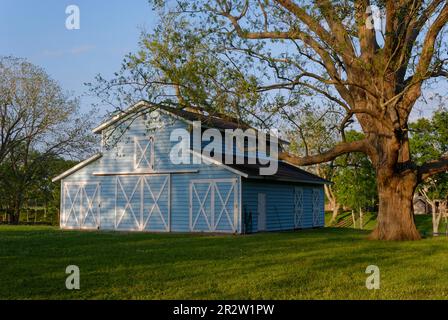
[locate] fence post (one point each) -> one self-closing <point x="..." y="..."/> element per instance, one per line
<point x="354" y="219"/>
<point x="361" y="219"/>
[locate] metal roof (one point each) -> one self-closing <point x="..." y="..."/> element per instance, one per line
<point x="215" y="121"/>
<point x="286" y="172"/>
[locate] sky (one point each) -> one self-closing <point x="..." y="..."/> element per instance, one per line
<point x="109" y="29"/>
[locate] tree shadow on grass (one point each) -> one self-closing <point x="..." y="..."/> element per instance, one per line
<point x="180" y="265"/>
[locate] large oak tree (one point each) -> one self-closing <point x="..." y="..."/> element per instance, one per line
<point x="254" y="58"/>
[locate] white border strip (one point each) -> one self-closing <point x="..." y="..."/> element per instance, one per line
<point x="141" y="173"/>
<point x="220" y="164"/>
<point x="129" y="111"/>
<point x="77" y="167"/>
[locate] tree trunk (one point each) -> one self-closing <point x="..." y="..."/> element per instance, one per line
<point x="13" y="216"/>
<point x="361" y="222"/>
<point x="15" y="213"/>
<point x="354" y="219"/>
<point x="332" y="200"/>
<point x="436" y="217"/>
<point x="396" y="210"/>
<point x="336" y="208"/>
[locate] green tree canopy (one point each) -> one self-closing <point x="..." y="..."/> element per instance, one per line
<point x="355" y="181"/>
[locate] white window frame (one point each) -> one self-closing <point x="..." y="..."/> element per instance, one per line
<point x="143" y="149"/>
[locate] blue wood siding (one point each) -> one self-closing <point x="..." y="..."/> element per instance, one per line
<point x="279" y="205"/>
<point x="175" y="198"/>
<point x="121" y="159"/>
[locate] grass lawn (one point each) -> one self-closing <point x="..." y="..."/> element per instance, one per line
<point x="328" y="263"/>
<point x="423" y="222"/>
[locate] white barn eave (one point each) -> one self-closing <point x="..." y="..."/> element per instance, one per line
<point x="77" y="167"/>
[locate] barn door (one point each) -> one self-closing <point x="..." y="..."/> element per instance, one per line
<point x="225" y="216"/>
<point x="201" y="201"/>
<point x="214" y="205"/>
<point x="81" y="205"/>
<point x="261" y="210"/>
<point x="142" y="203"/>
<point x="156" y="203"/>
<point x="298" y="207"/>
<point x="317" y="208"/>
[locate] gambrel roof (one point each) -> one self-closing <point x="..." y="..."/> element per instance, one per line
<point x="208" y="120"/>
<point x="220" y="122"/>
<point x="286" y="172"/>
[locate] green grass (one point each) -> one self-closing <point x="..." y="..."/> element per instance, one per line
<point x="369" y="219"/>
<point x="327" y="263"/>
<point x="423" y="222"/>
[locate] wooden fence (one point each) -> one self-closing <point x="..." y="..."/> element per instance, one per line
<point x="34" y="216"/>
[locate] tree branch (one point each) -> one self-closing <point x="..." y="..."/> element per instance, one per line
<point x="367" y="37"/>
<point x="433" y="167"/>
<point x="346" y="50"/>
<point x="338" y="29"/>
<point x="426" y="56"/>
<point x="291" y="34"/>
<point x="338" y="150"/>
<point x="430" y="40"/>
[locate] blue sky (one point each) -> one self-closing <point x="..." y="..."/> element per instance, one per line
<point x="110" y="29"/>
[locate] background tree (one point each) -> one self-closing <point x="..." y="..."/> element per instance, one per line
<point x="355" y="181"/>
<point x="38" y="123"/>
<point x="429" y="140"/>
<point x="312" y="131"/>
<point x="249" y="58"/>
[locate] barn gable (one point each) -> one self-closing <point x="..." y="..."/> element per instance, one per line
<point x="133" y="185"/>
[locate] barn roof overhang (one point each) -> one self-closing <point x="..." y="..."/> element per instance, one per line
<point x="79" y="166"/>
<point x="209" y="121"/>
<point x="286" y="172"/>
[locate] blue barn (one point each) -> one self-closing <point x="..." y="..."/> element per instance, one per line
<point x="132" y="184"/>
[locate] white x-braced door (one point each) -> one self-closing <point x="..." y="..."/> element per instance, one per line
<point x="142" y="203"/>
<point x="214" y="205"/>
<point x="317" y="208"/>
<point x="81" y="205"/>
<point x="298" y="207"/>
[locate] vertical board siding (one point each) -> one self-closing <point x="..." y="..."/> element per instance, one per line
<point x="180" y="196"/>
<point x="279" y="205"/>
<point x="121" y="159"/>
<point x="121" y="156"/>
<point x="214" y="205"/>
<point x="175" y="199"/>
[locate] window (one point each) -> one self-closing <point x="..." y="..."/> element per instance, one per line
<point x="144" y="153"/>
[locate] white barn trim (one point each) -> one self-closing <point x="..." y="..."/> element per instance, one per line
<point x="79" y="166"/>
